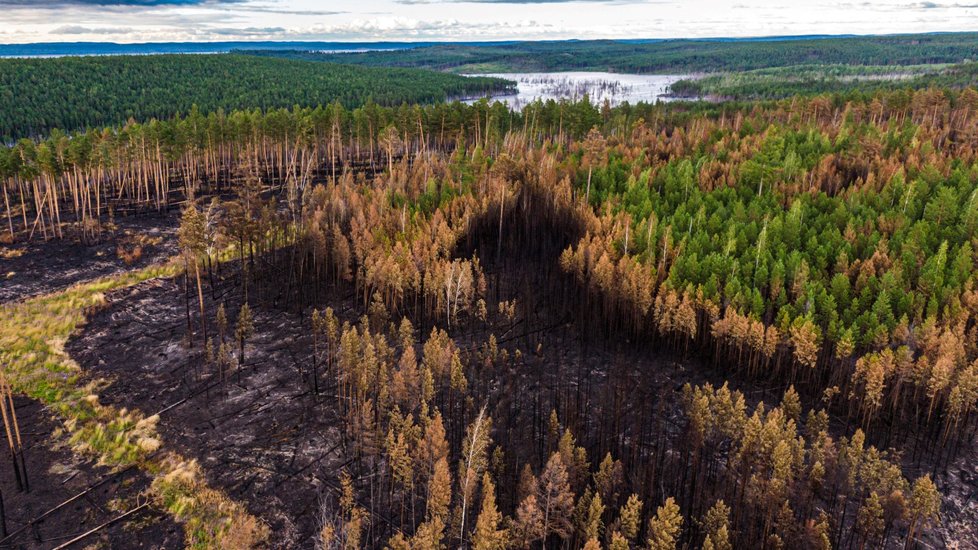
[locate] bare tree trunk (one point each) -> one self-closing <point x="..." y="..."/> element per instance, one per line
<point x="468" y="468"/>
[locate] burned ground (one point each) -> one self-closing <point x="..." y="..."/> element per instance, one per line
<point x="74" y="495"/>
<point x="37" y="267"/>
<point x="262" y="436"/>
<point x="268" y="441"/>
<point x="265" y="438"/>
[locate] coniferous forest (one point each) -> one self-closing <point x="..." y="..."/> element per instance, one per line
<point x="376" y="319"/>
<point x="110" y="90"/>
<point x="673" y="56"/>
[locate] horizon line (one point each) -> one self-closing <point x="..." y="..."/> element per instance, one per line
<point x="818" y="36"/>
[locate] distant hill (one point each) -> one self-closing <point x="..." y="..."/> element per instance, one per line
<point x="50" y="49"/>
<point x="665" y="56"/>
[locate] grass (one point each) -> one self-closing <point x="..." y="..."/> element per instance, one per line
<point x="32" y="356"/>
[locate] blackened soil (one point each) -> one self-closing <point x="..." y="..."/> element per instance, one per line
<point x="55" y="475"/>
<point x="271" y="444"/>
<point x="266" y="439"/>
<point x="262" y="435"/>
<point x="29" y="268"/>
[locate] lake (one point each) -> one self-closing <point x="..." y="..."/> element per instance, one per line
<point x="616" y="88"/>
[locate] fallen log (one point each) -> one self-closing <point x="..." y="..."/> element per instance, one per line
<point x="94" y="530"/>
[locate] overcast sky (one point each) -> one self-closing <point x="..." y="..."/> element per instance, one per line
<point x="24" y="21"/>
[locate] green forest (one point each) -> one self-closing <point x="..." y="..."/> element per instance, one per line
<point x="850" y="80"/>
<point x="667" y="56"/>
<point x="113" y="89"/>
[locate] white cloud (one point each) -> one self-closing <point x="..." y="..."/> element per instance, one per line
<point x="366" y="20"/>
<point x="78" y="29"/>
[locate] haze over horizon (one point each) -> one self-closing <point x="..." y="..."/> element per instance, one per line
<point x="134" y="21"/>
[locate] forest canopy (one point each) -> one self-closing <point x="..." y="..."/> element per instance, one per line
<point x="667" y="56"/>
<point x="781" y="82"/>
<point x="113" y="89"/>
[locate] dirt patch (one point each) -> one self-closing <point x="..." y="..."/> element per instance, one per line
<point x="55" y="475"/>
<point x="261" y="436"/>
<point x="38" y="267"/>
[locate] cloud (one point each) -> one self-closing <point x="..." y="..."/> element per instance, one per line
<point x="283" y="11"/>
<point x="444" y="20"/>
<point x="413" y="2"/>
<point x="60" y="4"/>
<point x="78" y="29"/>
<point x="935" y="5"/>
<point x="397" y="28"/>
<point x="247" y="31"/>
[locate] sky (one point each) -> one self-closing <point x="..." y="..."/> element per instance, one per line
<point x="25" y="21"/>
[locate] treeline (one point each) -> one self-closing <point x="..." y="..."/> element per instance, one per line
<point x="852" y="81"/>
<point x="667" y="56"/>
<point x="73" y="93"/>
<point x="74" y="180"/>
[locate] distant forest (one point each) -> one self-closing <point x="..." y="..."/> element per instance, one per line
<point x="111" y="90"/>
<point x="667" y="56"/>
<point x="851" y="80"/>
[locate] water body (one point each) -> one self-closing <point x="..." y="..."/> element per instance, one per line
<point x="614" y="87"/>
<point x="57" y="49"/>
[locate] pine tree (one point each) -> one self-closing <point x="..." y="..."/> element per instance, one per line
<point x="555" y="498"/>
<point x="594" y="526"/>
<point x="665" y="527"/>
<point x="440" y="491"/>
<point x="574" y="458"/>
<point x="397" y="542"/>
<point x="434" y="446"/>
<point x="869" y="519"/>
<point x="618" y="542"/>
<point x="594" y="150"/>
<point x="529" y="524"/>
<point x="222" y="322"/>
<point x="353" y="517"/>
<point x="487" y="535"/>
<point x="608" y="477"/>
<point x="429" y="535"/>
<point x="630" y="517"/>
<point x="192" y="244"/>
<point x="925" y="505"/>
<point x="716" y="525"/>
<point x="791" y="404"/>
<point x="243" y="330"/>
<point x="528" y="483"/>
